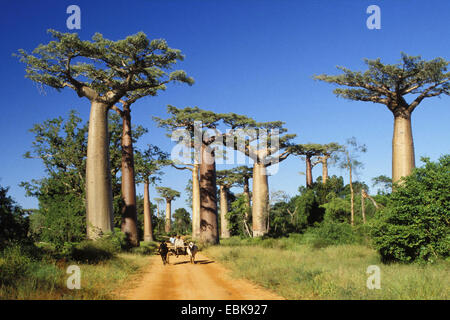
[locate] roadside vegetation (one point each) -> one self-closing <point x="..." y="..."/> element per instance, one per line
<point x="296" y="268"/>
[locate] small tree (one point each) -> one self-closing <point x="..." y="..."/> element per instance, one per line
<point x="169" y="195"/>
<point x="350" y="163"/>
<point x="389" y="84"/>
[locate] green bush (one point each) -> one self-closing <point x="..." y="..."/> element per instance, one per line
<point x="14" y="264"/>
<point x="146" y="248"/>
<point x="335" y="233"/>
<point x="415" y="225"/>
<point x="92" y="252"/>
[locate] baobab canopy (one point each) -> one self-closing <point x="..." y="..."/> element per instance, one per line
<point x="389" y="84"/>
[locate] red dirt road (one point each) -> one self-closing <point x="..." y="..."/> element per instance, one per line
<point x="181" y="280"/>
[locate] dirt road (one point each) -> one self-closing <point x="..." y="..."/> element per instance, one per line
<point x="181" y="280"/>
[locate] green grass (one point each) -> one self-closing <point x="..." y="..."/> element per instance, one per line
<point x="26" y="277"/>
<point x="296" y="270"/>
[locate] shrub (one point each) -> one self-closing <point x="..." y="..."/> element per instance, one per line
<point x="14" y="264"/>
<point x="415" y="225"/>
<point x="146" y="248"/>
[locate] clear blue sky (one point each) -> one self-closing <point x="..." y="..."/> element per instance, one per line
<point x="253" y="57"/>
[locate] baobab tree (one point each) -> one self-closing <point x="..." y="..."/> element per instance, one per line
<point x="225" y="180"/>
<point x="389" y="84"/>
<point x="329" y="152"/>
<point x="103" y="71"/>
<point x="148" y="166"/>
<point x="307" y="151"/>
<point x="201" y="134"/>
<point x="263" y="143"/>
<point x="129" y="213"/>
<point x="169" y="195"/>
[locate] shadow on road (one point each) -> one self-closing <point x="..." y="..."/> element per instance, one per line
<point x="196" y="262"/>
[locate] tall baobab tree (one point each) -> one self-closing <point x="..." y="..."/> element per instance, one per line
<point x="169" y="195"/>
<point x="148" y="166"/>
<point x="129" y="213"/>
<point x="389" y="84"/>
<point x="103" y="71"/>
<point x="201" y="134"/>
<point x="263" y="143"/>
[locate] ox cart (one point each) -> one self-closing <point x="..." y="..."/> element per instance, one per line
<point x="180" y="251"/>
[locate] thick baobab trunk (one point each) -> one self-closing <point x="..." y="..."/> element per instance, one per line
<point x="129" y="214"/>
<point x="402" y="148"/>
<point x="308" y="172"/>
<point x="168" y="215"/>
<point x="324" y="161"/>
<point x="148" y="227"/>
<point x="260" y="207"/>
<point x="225" y="232"/>
<point x="195" y="203"/>
<point x="99" y="210"/>
<point x="209" y="232"/>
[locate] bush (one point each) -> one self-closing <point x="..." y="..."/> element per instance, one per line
<point x="146" y="248"/>
<point x="92" y="252"/>
<point x="415" y="225"/>
<point x="335" y="233"/>
<point x="14" y="264"/>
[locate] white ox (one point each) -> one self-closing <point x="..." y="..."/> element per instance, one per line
<point x="192" y="249"/>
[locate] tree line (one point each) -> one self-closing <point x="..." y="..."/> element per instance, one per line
<point x="113" y="75"/>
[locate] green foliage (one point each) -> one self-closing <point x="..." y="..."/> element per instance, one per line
<point x="146" y="248"/>
<point x="335" y="233"/>
<point x="103" y="69"/>
<point x="13" y="223"/>
<point x="14" y="264"/>
<point x="387" y="83"/>
<point x="105" y="248"/>
<point x="182" y="223"/>
<point x="236" y="216"/>
<point x="415" y="225"/>
<point x="167" y="193"/>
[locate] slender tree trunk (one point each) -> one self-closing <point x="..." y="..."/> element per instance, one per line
<point x="247" y="211"/>
<point x="148" y="226"/>
<point x="363" y="206"/>
<point x="99" y="209"/>
<point x="309" y="180"/>
<point x="225" y="232"/>
<point x="352" y="202"/>
<point x="209" y="232"/>
<point x="129" y="213"/>
<point x="402" y="147"/>
<point x="195" y="203"/>
<point x="260" y="207"/>
<point x="247" y="192"/>
<point x="168" y="215"/>
<point x="324" y="161"/>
